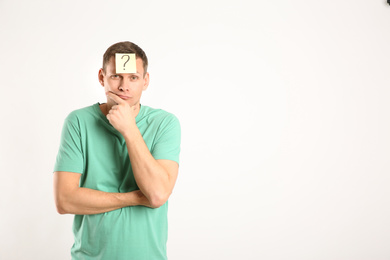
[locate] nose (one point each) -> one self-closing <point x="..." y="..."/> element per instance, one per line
<point x="125" y="85"/>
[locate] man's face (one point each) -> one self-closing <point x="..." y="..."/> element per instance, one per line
<point x="128" y="86"/>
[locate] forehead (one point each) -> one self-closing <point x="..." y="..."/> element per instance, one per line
<point x="111" y="67"/>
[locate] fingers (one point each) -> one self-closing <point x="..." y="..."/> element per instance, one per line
<point x="115" y="98"/>
<point x="112" y="109"/>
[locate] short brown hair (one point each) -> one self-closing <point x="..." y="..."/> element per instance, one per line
<point x="125" y="47"/>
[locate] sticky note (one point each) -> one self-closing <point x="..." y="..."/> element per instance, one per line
<point x="125" y="63"/>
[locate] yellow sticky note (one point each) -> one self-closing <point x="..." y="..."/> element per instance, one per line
<point x="125" y="63"/>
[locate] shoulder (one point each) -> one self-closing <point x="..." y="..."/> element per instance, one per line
<point x="82" y="114"/>
<point x="159" y="116"/>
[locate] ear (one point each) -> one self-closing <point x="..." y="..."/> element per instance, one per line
<point x="146" y="81"/>
<point x="101" y="77"/>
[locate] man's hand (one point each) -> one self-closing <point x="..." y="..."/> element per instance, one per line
<point x="121" y="116"/>
<point x="141" y="199"/>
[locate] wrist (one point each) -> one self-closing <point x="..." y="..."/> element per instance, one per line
<point x="132" y="199"/>
<point x="139" y="199"/>
<point x="130" y="133"/>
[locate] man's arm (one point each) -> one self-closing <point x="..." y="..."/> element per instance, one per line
<point x="155" y="178"/>
<point x="72" y="199"/>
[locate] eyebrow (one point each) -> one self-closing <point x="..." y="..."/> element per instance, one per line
<point x="135" y="73"/>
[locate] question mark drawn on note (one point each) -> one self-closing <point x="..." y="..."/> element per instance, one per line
<point x="124" y="64"/>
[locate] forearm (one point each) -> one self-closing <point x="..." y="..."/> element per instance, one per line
<point x="151" y="177"/>
<point x="84" y="201"/>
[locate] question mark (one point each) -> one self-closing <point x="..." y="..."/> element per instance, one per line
<point x="128" y="58"/>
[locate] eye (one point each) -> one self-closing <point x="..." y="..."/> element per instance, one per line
<point x="134" y="77"/>
<point x="114" y="76"/>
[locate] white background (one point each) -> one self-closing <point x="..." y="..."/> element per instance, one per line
<point x="284" y="107"/>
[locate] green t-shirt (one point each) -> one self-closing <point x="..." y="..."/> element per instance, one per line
<point x="90" y="145"/>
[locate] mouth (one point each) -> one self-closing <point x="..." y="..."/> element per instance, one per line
<point x="123" y="97"/>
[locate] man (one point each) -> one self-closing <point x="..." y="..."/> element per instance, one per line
<point x="117" y="166"/>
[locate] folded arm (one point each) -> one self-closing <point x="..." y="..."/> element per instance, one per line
<point x="155" y="178"/>
<point x="72" y="199"/>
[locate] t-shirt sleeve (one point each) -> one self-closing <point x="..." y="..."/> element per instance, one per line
<point x="168" y="137"/>
<point x="70" y="154"/>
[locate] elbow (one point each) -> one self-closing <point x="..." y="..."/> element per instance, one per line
<point x="155" y="204"/>
<point x="157" y="200"/>
<point x="61" y="206"/>
<point x="60" y="209"/>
